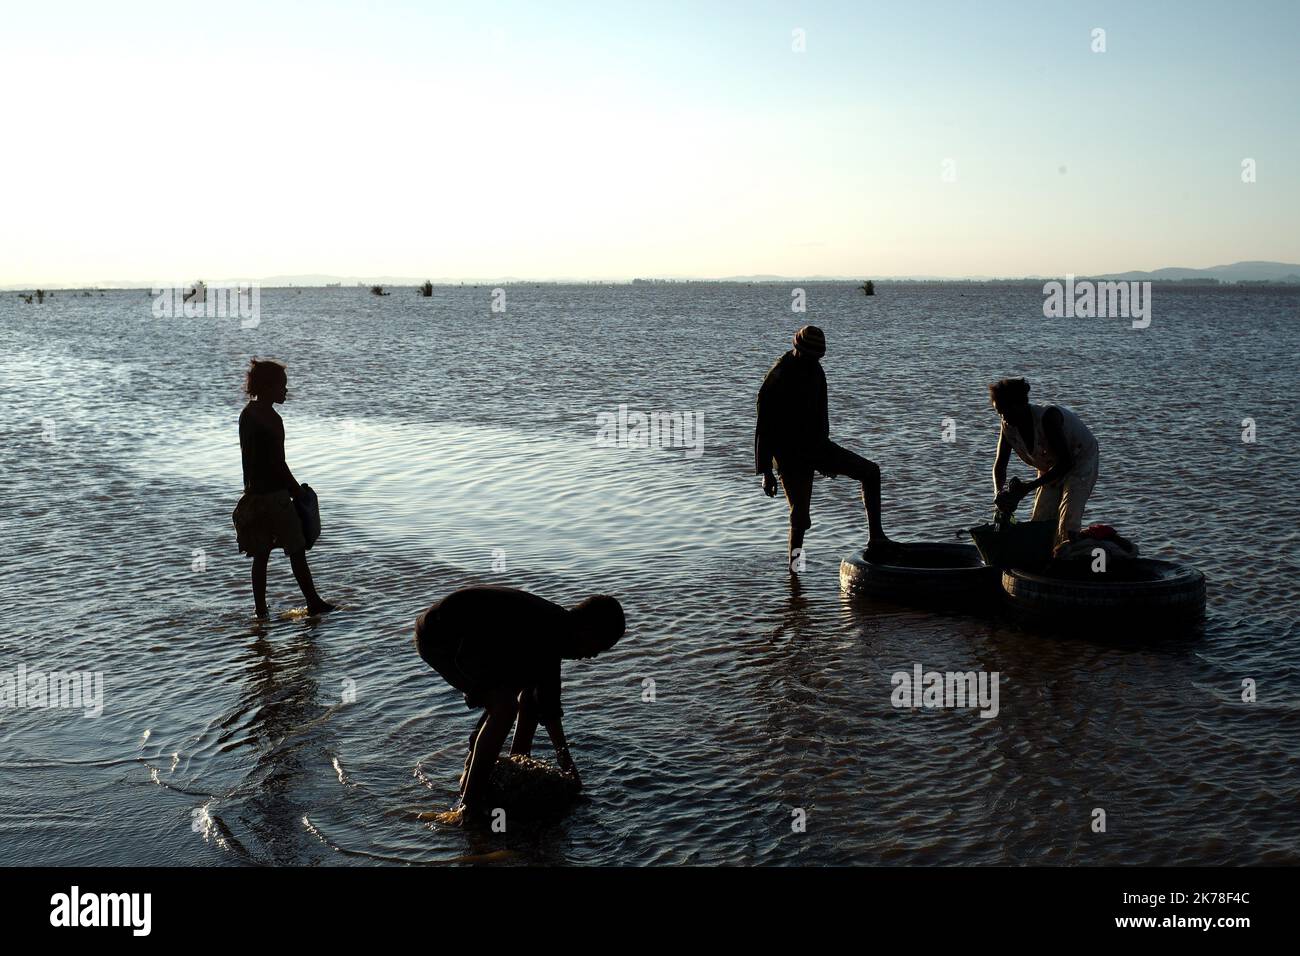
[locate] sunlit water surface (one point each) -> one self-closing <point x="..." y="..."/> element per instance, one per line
<point x="442" y="437"/>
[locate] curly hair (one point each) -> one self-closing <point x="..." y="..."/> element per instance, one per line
<point x="262" y="376"/>
<point x="1013" y="390"/>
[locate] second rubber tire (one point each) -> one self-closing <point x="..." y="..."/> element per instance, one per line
<point x="1151" y="592"/>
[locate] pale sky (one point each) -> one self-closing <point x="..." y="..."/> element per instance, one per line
<point x="611" y="140"/>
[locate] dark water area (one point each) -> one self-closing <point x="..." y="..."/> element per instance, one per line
<point x="453" y="445"/>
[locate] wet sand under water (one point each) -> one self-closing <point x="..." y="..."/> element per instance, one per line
<point x="444" y="441"/>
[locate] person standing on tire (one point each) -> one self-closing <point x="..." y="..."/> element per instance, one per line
<point x="793" y="433"/>
<point x="1051" y="439"/>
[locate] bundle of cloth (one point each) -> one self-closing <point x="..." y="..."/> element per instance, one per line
<point x="1081" y="544"/>
<point x="531" y="788"/>
<point x="308" y="507"/>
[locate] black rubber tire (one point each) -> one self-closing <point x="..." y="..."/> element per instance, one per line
<point x="1171" y="593"/>
<point x="941" y="576"/>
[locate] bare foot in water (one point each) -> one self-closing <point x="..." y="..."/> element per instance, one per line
<point x="458" y="815"/>
<point x="320" y="607"/>
<point x="450" y="817"/>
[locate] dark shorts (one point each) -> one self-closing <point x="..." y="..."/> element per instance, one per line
<point x="444" y="649"/>
<point x="797" y="478"/>
<point x="439" y="649"/>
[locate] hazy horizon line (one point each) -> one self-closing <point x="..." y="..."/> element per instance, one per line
<point x="325" y="280"/>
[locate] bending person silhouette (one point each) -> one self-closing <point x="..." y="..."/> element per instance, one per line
<point x="265" y="517"/>
<point x="793" y="431"/>
<point x="502" y="648"/>
<point x="1054" y="441"/>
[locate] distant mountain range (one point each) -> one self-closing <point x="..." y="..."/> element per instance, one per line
<point x="1237" y="272"/>
<point x="1282" y="272"/>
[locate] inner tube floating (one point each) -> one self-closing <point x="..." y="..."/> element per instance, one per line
<point x="1141" y="591"/>
<point x="937" y="575"/>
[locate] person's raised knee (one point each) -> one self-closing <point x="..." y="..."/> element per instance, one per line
<point x="869" y="472"/>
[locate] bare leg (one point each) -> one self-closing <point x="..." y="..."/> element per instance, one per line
<point x="487" y="746"/>
<point x="870" y="478"/>
<point x="259" y="583"/>
<point x="841" y="461"/>
<point x="796" y="549"/>
<point x="469" y="754"/>
<point x="797" y="484"/>
<point x="302" y="573"/>
<point x="526" y="726"/>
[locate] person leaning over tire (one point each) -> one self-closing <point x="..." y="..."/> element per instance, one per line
<point x="1054" y="441"/>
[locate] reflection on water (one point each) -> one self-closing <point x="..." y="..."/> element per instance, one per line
<point x="326" y="740"/>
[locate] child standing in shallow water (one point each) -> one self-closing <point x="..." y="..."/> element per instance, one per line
<point x="265" y="517"/>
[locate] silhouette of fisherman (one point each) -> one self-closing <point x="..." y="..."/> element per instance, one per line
<point x="793" y="432"/>
<point x="502" y="648"/>
<point x="1054" y="441"/>
<point x="265" y="517"/>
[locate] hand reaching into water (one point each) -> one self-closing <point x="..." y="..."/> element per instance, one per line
<point x="564" y="760"/>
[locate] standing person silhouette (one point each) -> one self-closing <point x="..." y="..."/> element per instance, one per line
<point x="265" y="517"/>
<point x="793" y="431"/>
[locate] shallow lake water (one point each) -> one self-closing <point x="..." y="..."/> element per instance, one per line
<point x="452" y="445"/>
